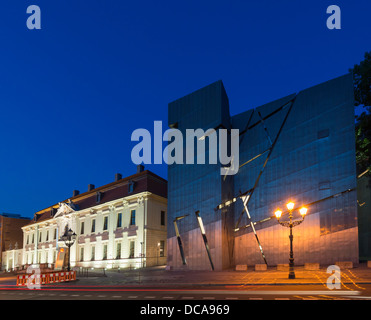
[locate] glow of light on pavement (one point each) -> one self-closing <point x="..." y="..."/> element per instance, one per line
<point x="201" y="291"/>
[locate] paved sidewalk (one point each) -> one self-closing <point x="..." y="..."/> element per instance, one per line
<point x="161" y="277"/>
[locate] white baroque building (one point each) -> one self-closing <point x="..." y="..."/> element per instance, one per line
<point x="119" y="225"/>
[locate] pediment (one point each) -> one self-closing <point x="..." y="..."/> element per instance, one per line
<point x="65" y="208"/>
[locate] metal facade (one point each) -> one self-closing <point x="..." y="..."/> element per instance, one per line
<point x="299" y="148"/>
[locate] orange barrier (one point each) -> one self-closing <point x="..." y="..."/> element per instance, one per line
<point x="21" y="280"/>
<point x="62" y="277"/>
<point x="53" y="277"/>
<point x="46" y="278"/>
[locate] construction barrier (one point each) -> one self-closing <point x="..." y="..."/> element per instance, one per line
<point x="45" y="278"/>
<point x="62" y="277"/>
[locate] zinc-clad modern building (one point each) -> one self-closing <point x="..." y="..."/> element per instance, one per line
<point x="299" y="148"/>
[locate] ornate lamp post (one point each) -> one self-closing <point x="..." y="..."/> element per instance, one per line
<point x="69" y="238"/>
<point x="290" y="224"/>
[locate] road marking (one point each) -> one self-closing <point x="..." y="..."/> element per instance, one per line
<point x="256" y="298"/>
<point x="208" y="298"/>
<point x="75" y="295"/>
<point x="102" y="296"/>
<point x="116" y="296"/>
<point x="149" y="297"/>
<point x="277" y="293"/>
<point x="360" y="297"/>
<point x="187" y="298"/>
<point x="132" y="297"/>
<point x="232" y="298"/>
<point x="168" y="297"/>
<point x="281" y="298"/>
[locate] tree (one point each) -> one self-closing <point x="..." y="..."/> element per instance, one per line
<point x="362" y="95"/>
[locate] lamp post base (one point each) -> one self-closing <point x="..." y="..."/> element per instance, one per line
<point x="291" y="275"/>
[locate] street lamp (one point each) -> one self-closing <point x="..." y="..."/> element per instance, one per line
<point x="290" y="224"/>
<point x="69" y="238"/>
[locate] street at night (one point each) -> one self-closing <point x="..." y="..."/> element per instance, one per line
<point x="159" y="284"/>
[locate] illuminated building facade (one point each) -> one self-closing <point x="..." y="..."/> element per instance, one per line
<point x="299" y="148"/>
<point x="11" y="237"/>
<point x="118" y="225"/>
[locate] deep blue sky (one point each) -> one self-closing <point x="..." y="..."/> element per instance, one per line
<point x="72" y="93"/>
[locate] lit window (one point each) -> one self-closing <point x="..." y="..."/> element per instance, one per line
<point x="132" y="218"/>
<point x="118" y="250"/>
<point x="119" y="220"/>
<point x="105" y="252"/>
<point x="105" y="223"/>
<point x="132" y="249"/>
<point x="93" y="253"/>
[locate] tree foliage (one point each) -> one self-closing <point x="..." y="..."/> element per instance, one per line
<point x="362" y="96"/>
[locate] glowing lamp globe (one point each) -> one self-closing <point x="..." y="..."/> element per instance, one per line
<point x="278" y="214"/>
<point x="290" y="206"/>
<point x="303" y="211"/>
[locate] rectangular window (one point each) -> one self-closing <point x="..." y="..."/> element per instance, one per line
<point x="118" y="250"/>
<point x="132" y="249"/>
<point x="131" y="187"/>
<point x="28" y="239"/>
<point x="40" y="237"/>
<point x="105" y="223"/>
<point x="98" y="196"/>
<point x="323" y="133"/>
<point x="93" y="225"/>
<point x="162" y="218"/>
<point x="33" y="238"/>
<point x="82" y="227"/>
<point x="82" y="254"/>
<point x="132" y="218"/>
<point x="92" y="253"/>
<point x="162" y="248"/>
<point x="119" y="220"/>
<point x="55" y="234"/>
<point x="47" y="235"/>
<point x="105" y="252"/>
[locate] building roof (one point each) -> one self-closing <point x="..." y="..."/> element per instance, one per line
<point x="143" y="181"/>
<point x="13" y="215"/>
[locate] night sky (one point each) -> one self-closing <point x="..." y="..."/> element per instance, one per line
<point x="72" y="93"/>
